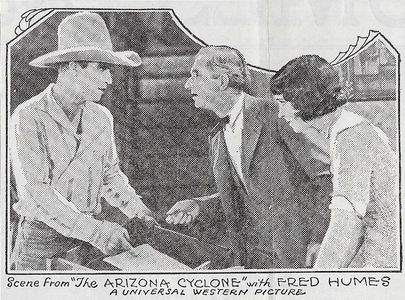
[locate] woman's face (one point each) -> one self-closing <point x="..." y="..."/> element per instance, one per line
<point x="286" y="110"/>
<point x="289" y="114"/>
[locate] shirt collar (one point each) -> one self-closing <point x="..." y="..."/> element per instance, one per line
<point x="53" y="108"/>
<point x="324" y="123"/>
<point x="346" y="119"/>
<point x="57" y="113"/>
<point x="235" y="111"/>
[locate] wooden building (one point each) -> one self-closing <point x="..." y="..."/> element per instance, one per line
<point x="370" y="67"/>
<point x="369" y="71"/>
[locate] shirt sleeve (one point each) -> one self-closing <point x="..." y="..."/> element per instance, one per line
<point x="32" y="166"/>
<point x="342" y="241"/>
<point x="116" y="188"/>
<point x="352" y="160"/>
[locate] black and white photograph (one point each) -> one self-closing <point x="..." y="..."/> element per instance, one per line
<point x="164" y="143"/>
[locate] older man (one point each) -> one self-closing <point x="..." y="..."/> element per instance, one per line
<point x="63" y="151"/>
<point x="258" y="179"/>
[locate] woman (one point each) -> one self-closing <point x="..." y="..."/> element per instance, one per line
<point x="363" y="230"/>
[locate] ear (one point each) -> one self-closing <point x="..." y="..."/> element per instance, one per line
<point x="224" y="82"/>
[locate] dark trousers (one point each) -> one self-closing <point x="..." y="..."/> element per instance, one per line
<point x="36" y="242"/>
<point x="257" y="259"/>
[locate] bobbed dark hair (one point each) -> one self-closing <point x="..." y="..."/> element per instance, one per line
<point x="311" y="84"/>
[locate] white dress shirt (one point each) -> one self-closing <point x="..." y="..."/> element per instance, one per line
<point x="233" y="135"/>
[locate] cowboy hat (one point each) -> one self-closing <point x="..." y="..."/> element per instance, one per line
<point x="84" y="37"/>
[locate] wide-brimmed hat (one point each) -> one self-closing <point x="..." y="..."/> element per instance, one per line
<point x="84" y="37"/>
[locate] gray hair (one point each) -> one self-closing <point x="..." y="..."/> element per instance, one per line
<point x="229" y="61"/>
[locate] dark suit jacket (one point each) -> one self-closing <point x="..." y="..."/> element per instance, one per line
<point x="265" y="215"/>
<point x="318" y="186"/>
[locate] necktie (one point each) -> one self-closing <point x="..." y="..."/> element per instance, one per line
<point x="79" y="130"/>
<point x="223" y="121"/>
<point x="80" y="126"/>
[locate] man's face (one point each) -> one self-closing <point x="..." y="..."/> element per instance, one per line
<point x="204" y="88"/>
<point x="91" y="81"/>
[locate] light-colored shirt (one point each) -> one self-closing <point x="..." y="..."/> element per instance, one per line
<point x="365" y="182"/>
<point x="352" y="167"/>
<point x="60" y="174"/>
<point x="233" y="135"/>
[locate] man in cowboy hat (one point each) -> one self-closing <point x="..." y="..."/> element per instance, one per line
<point x="63" y="151"/>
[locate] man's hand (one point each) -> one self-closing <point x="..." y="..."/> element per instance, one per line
<point x="183" y="212"/>
<point x="148" y="217"/>
<point x="119" y="242"/>
<point x="113" y="239"/>
<point x="312" y="254"/>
